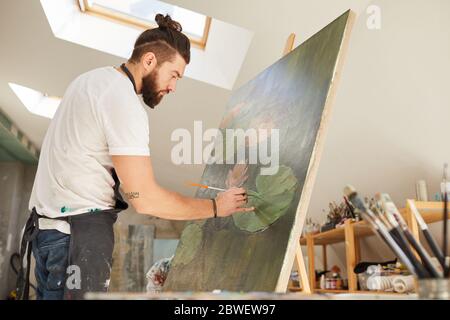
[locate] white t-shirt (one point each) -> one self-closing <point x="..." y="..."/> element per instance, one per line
<point x="100" y="115"/>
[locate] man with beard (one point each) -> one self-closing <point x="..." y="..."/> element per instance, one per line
<point x="98" y="139"/>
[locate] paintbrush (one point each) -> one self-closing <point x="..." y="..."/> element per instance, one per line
<point x="192" y="184"/>
<point x="379" y="229"/>
<point x="427" y="234"/>
<point x="379" y="212"/>
<point x="396" y="232"/>
<point x="350" y="207"/>
<point x="445" y="231"/>
<point x="405" y="236"/>
<point x="447" y="258"/>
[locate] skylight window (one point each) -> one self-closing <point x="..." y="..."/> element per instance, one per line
<point x="36" y="102"/>
<point x="141" y="14"/>
<point x="112" y="26"/>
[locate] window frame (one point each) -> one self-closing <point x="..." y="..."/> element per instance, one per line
<point x="125" y="19"/>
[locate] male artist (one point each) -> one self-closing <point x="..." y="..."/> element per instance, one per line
<point x="98" y="139"/>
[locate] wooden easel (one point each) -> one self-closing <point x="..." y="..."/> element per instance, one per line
<point x="303" y="275"/>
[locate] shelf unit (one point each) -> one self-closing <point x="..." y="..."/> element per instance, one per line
<point x="351" y="233"/>
<point x="294" y="289"/>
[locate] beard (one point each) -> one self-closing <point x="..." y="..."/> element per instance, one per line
<point x="150" y="93"/>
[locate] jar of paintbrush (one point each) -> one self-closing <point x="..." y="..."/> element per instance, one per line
<point x="439" y="288"/>
<point x="431" y="273"/>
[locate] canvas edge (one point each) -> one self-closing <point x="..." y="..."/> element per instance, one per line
<point x="305" y="197"/>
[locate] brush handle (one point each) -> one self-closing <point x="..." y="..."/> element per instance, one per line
<point x="434" y="246"/>
<point x="397" y="234"/>
<point x="399" y="252"/>
<point x="381" y="230"/>
<point x="417" y="214"/>
<point x="445" y="232"/>
<point x="218" y="189"/>
<point x="422" y="254"/>
<point x="426" y="268"/>
<point x="447" y="267"/>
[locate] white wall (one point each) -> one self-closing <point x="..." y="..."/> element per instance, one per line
<point x="390" y="124"/>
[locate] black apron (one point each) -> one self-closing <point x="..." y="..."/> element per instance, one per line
<point x="90" y="249"/>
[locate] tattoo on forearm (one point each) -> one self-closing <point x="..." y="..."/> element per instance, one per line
<point x="132" y="195"/>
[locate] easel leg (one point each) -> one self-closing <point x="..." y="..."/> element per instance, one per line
<point x="303" y="275"/>
<point x="312" y="269"/>
<point x="351" y="255"/>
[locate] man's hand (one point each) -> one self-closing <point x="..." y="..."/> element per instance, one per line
<point x="231" y="201"/>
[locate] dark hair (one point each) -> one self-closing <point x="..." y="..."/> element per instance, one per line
<point x="164" y="41"/>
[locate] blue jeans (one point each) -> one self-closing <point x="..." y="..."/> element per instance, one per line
<point x="51" y="252"/>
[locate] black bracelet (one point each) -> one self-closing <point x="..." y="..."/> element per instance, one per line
<point x="215" y="207"/>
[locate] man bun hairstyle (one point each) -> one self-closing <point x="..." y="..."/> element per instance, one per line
<point x="164" y="41"/>
<point x="166" y="22"/>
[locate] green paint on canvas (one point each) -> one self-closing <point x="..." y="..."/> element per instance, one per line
<point x="272" y="199"/>
<point x="189" y="244"/>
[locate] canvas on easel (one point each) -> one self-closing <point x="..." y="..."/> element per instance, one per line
<point x="290" y="101"/>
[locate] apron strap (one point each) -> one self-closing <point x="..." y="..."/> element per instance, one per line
<point x="120" y="203"/>
<point x="30" y="232"/>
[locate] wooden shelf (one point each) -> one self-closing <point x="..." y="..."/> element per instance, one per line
<point x="350" y="234"/>
<point x="294" y="289"/>
<point x="431" y="211"/>
<point x="297" y="289"/>
<point x="330" y="291"/>
<point x="338" y="234"/>
<point x="361" y="230"/>
<point x="377" y="292"/>
<point x="354" y="291"/>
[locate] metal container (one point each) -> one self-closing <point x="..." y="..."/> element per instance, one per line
<point x="433" y="289"/>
